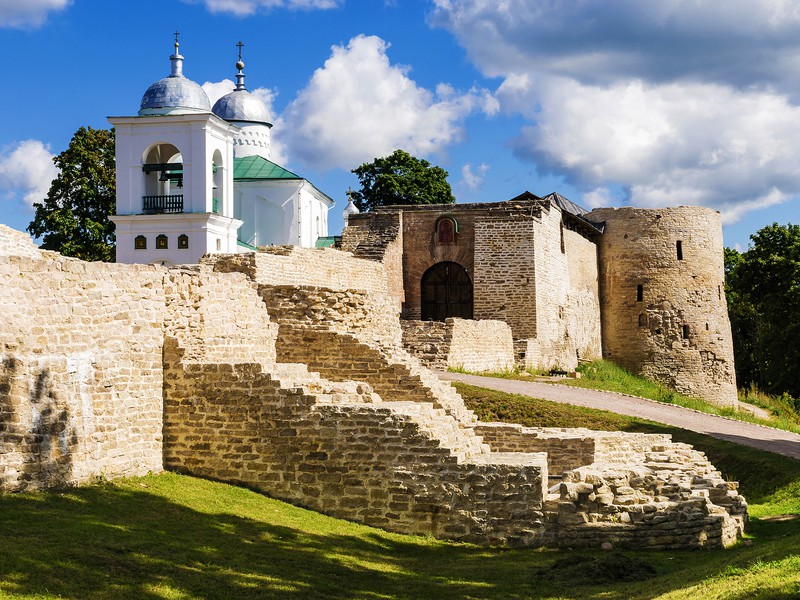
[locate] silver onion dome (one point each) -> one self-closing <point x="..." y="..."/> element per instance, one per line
<point x="174" y="94"/>
<point x="241" y="105"/>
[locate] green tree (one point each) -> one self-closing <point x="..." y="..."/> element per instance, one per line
<point x="744" y="323"/>
<point x="73" y="218"/>
<point x="764" y="285"/>
<point x="401" y="179"/>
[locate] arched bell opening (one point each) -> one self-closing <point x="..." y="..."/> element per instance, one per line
<point x="162" y="169"/>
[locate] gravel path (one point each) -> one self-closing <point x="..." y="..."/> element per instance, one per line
<point x="747" y="434"/>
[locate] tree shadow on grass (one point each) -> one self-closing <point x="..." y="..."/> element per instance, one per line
<point x="116" y="541"/>
<point x="109" y="542"/>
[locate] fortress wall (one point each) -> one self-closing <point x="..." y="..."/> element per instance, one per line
<point x="377" y="464"/>
<point x="391" y="372"/>
<point x="218" y="317"/>
<point x="572" y="448"/>
<point x="679" y="332"/>
<point x="428" y="341"/>
<point x="356" y="294"/>
<point x="505" y="273"/>
<point x="378" y="236"/>
<point x="81" y="375"/>
<point x="633" y="490"/>
<point x="346" y="311"/>
<point x="567" y="298"/>
<point x="17" y="243"/>
<point x="460" y="344"/>
<point x="319" y="267"/>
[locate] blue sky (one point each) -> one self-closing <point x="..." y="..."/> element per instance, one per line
<point x="609" y="102"/>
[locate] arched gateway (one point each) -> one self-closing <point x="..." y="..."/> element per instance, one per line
<point x="446" y="292"/>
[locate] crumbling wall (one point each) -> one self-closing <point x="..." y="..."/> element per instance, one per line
<point x="16" y="243"/>
<point x="460" y="344"/>
<point x="80" y="374"/>
<point x="631" y="490"/>
<point x="336" y="447"/>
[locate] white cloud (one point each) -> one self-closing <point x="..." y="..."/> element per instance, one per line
<point x="244" y="8"/>
<point x="651" y="104"/>
<point x="359" y="106"/>
<point x="670" y="144"/>
<point x="598" y="198"/>
<point x="27" y="171"/>
<point x="30" y="13"/>
<point x="473" y="179"/>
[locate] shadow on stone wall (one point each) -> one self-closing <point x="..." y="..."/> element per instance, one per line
<point x="47" y="444"/>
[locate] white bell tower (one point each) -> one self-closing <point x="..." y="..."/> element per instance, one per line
<point x="174" y="175"/>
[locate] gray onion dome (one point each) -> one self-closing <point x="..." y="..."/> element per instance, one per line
<point x="174" y="94"/>
<point x="241" y="105"/>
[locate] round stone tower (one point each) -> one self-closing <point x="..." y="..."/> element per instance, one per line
<point x="662" y="298"/>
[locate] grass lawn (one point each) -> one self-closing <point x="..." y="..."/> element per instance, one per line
<point x="171" y="536"/>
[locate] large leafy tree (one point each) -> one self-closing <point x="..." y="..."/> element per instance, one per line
<point x="764" y="299"/>
<point x="73" y="218"/>
<point x="401" y="179"/>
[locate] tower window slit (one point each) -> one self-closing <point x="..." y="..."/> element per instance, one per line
<point x="679" y="248"/>
<point x="639" y="293"/>
<point x="686" y="332"/>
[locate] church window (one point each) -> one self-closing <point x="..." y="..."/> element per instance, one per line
<point x="140" y="242"/>
<point x="639" y="293"/>
<point x="183" y="241"/>
<point x="162" y="242"/>
<point x="446" y="292"/>
<point x="679" y="248"/>
<point x="563" y="250"/>
<point x="446" y="230"/>
<point x="219" y="244"/>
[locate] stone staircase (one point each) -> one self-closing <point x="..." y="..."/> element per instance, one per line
<point x="393" y="373"/>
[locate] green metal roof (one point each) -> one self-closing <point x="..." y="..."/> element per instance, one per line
<point x="259" y="168"/>
<point x="327" y="241"/>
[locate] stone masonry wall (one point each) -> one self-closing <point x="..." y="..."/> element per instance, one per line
<point x="567" y="297"/>
<point x="348" y="331"/>
<point x="98" y="360"/>
<point x="664" y="315"/>
<point x="81" y="374"/>
<point x="16" y="243"/>
<point x="421" y="250"/>
<point x="460" y="344"/>
<point x="405" y="466"/>
<point x="505" y="273"/>
<point x="378" y="236"/>
<point x="633" y="490"/>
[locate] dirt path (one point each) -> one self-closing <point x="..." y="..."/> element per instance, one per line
<point x="747" y="434"/>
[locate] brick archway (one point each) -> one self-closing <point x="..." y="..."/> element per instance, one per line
<point x="446" y="292"/>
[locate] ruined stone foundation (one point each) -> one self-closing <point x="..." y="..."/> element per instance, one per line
<point x="280" y="370"/>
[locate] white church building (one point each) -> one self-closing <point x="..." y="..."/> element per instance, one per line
<point x="194" y="179"/>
